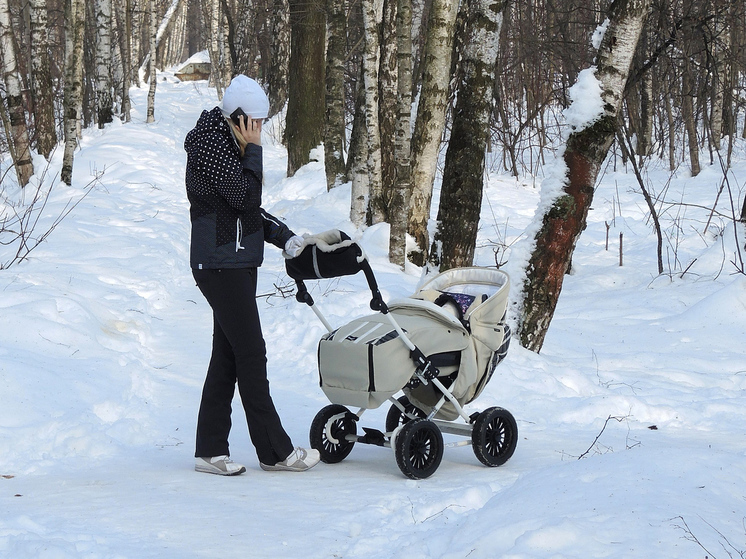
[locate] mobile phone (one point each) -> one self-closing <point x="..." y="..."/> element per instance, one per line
<point x="235" y="116"/>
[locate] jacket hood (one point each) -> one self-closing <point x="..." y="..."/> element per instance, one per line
<point x="209" y="123"/>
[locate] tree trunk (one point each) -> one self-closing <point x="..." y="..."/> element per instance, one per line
<point x="585" y="151"/>
<point x="334" y="127"/>
<point x="357" y="161"/>
<point x="244" y="38"/>
<point x="74" y="28"/>
<point x="103" y="62"/>
<point x="305" y="114"/>
<point x="371" y="20"/>
<point x="124" y="16"/>
<point x="687" y="113"/>
<point x="152" y="72"/>
<point x="430" y="121"/>
<point x="277" y="80"/>
<point x="211" y="12"/>
<point x="720" y="48"/>
<point x="403" y="186"/>
<point x="160" y="34"/>
<point x="19" y="131"/>
<point x="387" y="106"/>
<point x="41" y="79"/>
<point x="463" y="177"/>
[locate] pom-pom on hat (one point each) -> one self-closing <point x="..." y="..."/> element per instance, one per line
<point x="246" y="93"/>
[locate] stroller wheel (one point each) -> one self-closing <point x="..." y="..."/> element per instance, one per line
<point x="395" y="418"/>
<point x="494" y="437"/>
<point x="419" y="448"/>
<point x="328" y="431"/>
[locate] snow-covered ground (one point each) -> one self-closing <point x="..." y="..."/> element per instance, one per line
<point x="105" y="339"/>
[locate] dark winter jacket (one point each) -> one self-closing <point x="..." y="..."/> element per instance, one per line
<point x="229" y="226"/>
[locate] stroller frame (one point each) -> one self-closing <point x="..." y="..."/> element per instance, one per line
<point x="414" y="435"/>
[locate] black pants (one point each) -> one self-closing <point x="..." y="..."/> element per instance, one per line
<point x="238" y="355"/>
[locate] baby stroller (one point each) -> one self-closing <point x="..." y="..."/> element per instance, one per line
<point x="439" y="347"/>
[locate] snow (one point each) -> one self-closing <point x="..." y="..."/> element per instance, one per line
<point x="105" y="342"/>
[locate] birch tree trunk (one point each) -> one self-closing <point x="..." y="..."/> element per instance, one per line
<point x="103" y="62"/>
<point x="371" y="20"/>
<point x="277" y="82"/>
<point x="306" y="86"/>
<point x="123" y="14"/>
<point x="430" y="120"/>
<point x="387" y="106"/>
<point x="357" y="160"/>
<point x="334" y="126"/>
<point x="152" y="72"/>
<point x="402" y="188"/>
<point x="463" y="177"/>
<point x="211" y="11"/>
<point x="74" y="28"/>
<point x="687" y="113"/>
<point x="719" y="48"/>
<point x="159" y="35"/>
<point x="19" y="131"/>
<point x="41" y="80"/>
<point x="585" y="151"/>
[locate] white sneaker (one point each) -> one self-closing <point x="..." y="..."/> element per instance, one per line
<point x="300" y="460"/>
<point x="220" y="465"/>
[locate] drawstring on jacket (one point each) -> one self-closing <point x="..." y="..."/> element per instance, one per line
<point x="239" y="234"/>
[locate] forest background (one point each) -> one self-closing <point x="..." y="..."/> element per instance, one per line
<point x="401" y="91"/>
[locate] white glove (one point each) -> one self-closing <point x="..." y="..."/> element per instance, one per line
<point x="295" y="246"/>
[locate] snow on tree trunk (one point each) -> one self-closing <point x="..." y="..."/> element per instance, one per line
<point x="371" y="19"/>
<point x="278" y="75"/>
<point x="563" y="216"/>
<point x="41" y="79"/>
<point x="334" y="126"/>
<point x="74" y="27"/>
<point x="103" y="62"/>
<point x="463" y="177"/>
<point x="152" y="72"/>
<point x="430" y="120"/>
<point x="19" y="132"/>
<point x="402" y="188"/>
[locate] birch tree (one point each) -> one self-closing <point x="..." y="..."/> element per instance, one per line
<point x="430" y="120"/>
<point x="123" y="15"/>
<point x="372" y="13"/>
<point x="357" y="160"/>
<point x="463" y="177"/>
<point x="41" y="79"/>
<point x="151" y="67"/>
<point x="74" y="27"/>
<point x="585" y="151"/>
<point x="403" y="185"/>
<point x="334" y="125"/>
<point x="19" y="138"/>
<point x="103" y="62"/>
<point x="387" y="107"/>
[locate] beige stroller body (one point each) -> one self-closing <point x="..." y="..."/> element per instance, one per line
<point x="439" y="347"/>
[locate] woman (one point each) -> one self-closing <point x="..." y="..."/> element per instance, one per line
<point x="229" y="228"/>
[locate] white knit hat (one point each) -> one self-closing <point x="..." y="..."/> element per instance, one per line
<point x="246" y="93"/>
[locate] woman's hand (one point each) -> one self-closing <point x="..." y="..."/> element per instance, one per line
<point x="250" y="130"/>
